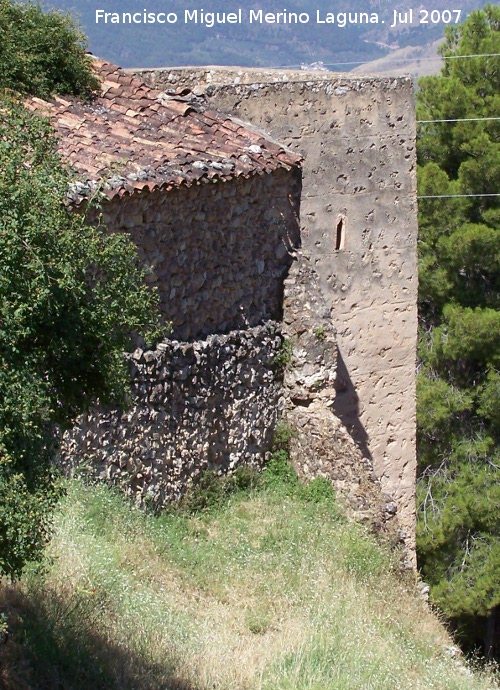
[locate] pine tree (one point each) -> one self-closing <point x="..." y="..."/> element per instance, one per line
<point x="459" y="377"/>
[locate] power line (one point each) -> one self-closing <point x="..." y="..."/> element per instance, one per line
<point x="460" y="119"/>
<point x="423" y="59"/>
<point x="453" y="196"/>
<point x="468" y="119"/>
<point x="459" y="57"/>
<point x="413" y="59"/>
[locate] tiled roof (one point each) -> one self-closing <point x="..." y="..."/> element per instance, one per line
<point x="138" y="139"/>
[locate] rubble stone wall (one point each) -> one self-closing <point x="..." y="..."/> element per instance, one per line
<point x="208" y="404"/>
<point x="218" y="252"/>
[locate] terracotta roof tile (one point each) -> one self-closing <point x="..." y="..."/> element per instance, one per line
<point x="139" y="139"/>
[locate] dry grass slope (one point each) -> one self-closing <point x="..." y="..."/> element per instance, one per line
<point x="270" y="590"/>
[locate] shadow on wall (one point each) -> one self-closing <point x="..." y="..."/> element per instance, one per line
<point x="218" y="253"/>
<point x="346" y="407"/>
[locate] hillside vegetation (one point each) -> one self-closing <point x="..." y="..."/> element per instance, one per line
<point x="265" y="587"/>
<point x="251" y="584"/>
<point x="458" y="387"/>
<point x="71" y="296"/>
<point x="262" y="45"/>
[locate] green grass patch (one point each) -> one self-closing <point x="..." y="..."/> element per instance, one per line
<point x="253" y="583"/>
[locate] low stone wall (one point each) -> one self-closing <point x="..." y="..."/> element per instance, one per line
<point x="209" y="404"/>
<point x="198" y="78"/>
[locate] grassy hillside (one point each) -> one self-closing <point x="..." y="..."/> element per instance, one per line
<point x="269" y="588"/>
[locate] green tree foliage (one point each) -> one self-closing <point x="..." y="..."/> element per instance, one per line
<point x="459" y="380"/>
<point x="70" y="298"/>
<point x="70" y="295"/>
<point x="42" y="53"/>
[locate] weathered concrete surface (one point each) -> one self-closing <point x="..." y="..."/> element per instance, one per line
<point x="341" y="462"/>
<point x="359" y="230"/>
<point x="321" y="445"/>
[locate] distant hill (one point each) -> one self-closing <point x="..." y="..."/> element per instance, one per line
<point x="418" y="61"/>
<point x="351" y="38"/>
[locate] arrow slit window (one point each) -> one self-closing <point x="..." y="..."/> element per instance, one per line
<point x="340" y="234"/>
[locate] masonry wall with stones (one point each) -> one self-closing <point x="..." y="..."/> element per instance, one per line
<point x="210" y="396"/>
<point x="359" y="230"/>
<point x="218" y="252"/>
<point x="208" y="404"/>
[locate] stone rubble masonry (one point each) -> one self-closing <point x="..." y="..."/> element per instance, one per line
<point x="209" y="404"/>
<point x="358" y="230"/>
<point x="209" y="397"/>
<point x="218" y="252"/>
<point x="307" y="323"/>
<point x="226" y="259"/>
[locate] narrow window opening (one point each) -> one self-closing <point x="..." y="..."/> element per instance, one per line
<point x="339" y="235"/>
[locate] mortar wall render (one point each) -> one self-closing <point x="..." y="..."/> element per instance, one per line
<point x="320" y="445"/>
<point x="357" y="137"/>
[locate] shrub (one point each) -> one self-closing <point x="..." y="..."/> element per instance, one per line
<point x="42" y="53"/>
<point x="212" y="491"/>
<point x="70" y="298"/>
<point x="283" y="357"/>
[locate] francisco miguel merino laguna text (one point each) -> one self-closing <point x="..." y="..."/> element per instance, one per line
<point x="210" y="19"/>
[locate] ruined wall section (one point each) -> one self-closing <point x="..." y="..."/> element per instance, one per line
<point x="359" y="229"/>
<point x="209" y="404"/>
<point x="211" y="395"/>
<point x="218" y="252"/>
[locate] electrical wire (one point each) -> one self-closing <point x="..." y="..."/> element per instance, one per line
<point x="460" y="119"/>
<point x="420" y="122"/>
<point x="413" y="59"/>
<point x="453" y="196"/>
